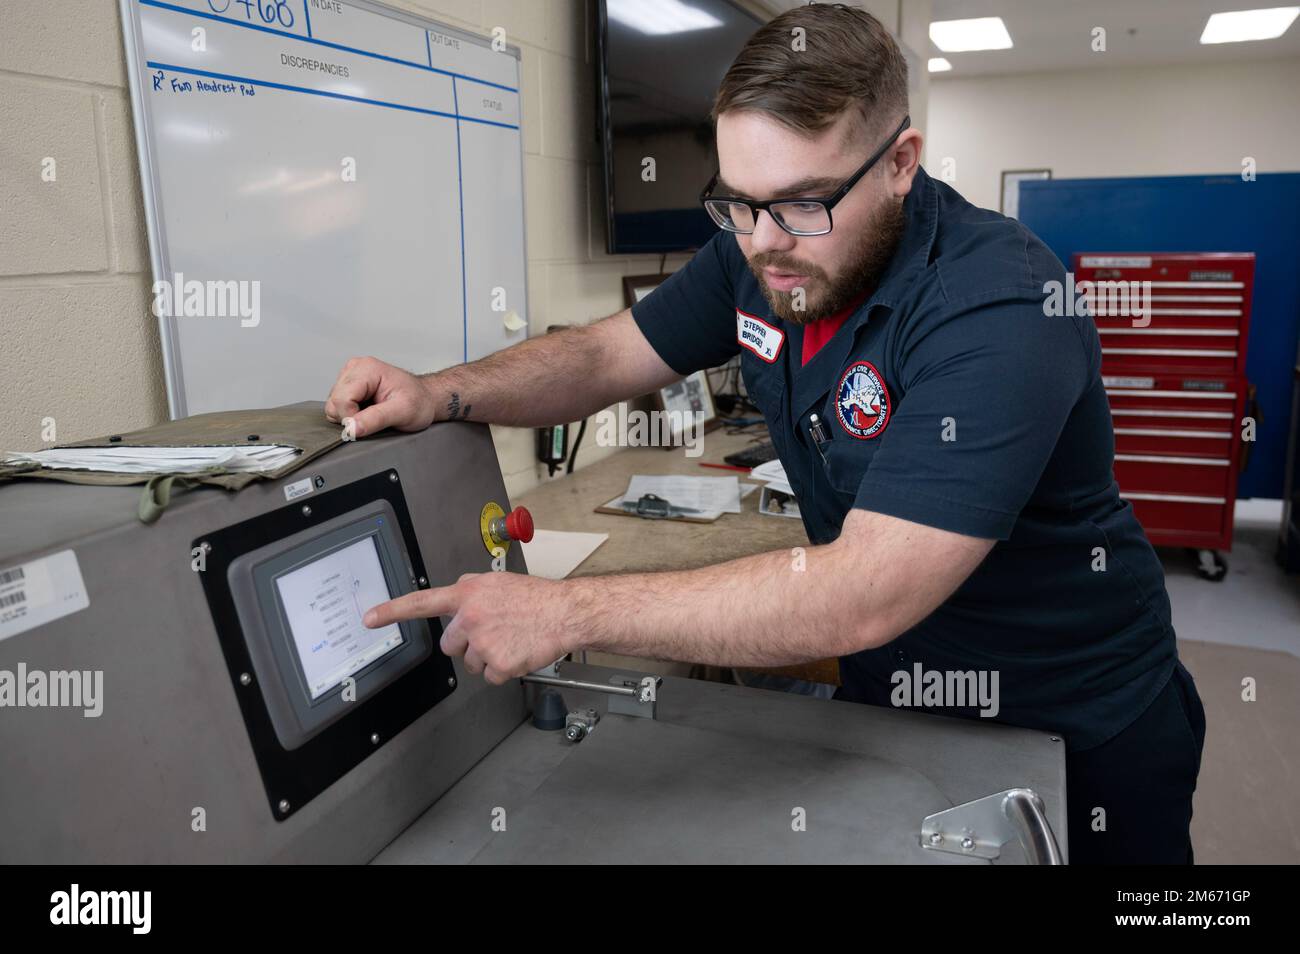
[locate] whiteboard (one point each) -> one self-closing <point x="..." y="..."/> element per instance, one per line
<point x="323" y="179"/>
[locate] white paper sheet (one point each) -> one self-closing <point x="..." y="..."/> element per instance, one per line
<point x="554" y="554"/>
<point x="251" y="458"/>
<point x="773" y="474"/>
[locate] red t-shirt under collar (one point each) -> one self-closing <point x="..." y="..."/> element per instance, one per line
<point x="816" y="334"/>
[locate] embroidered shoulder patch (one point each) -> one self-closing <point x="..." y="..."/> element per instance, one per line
<point x="862" y="401"/>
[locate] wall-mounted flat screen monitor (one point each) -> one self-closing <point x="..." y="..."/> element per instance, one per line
<point x="660" y="63"/>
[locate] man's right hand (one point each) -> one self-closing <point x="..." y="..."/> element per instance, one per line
<point x="396" y="398"/>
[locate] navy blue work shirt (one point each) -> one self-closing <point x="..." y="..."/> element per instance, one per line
<point x="951" y="399"/>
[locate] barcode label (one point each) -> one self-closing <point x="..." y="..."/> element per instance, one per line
<point x="40" y="591"/>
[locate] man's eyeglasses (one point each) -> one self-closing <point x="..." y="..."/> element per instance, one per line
<point x="800" y="216"/>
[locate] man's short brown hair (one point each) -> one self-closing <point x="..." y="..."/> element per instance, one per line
<point x="809" y="65"/>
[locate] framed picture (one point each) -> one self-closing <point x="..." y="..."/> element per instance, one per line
<point x="691" y="395"/>
<point x="1011" y="179"/>
<point x="636" y="287"/>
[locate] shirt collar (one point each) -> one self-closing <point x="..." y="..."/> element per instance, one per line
<point x="921" y="223"/>
<point x="921" y="215"/>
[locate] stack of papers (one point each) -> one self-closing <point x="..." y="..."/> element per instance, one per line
<point x="244" y="459"/>
<point x="773" y="474"/>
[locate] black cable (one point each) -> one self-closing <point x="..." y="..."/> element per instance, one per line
<point x="745" y="428"/>
<point x="573" y="451"/>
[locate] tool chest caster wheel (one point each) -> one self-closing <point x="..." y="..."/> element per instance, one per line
<point x="1210" y="565"/>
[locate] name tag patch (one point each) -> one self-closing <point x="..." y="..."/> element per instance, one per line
<point x="758" y="336"/>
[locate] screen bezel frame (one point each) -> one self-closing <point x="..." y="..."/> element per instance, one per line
<point x="293" y="777"/>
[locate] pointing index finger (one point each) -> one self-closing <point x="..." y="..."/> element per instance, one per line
<point x="422" y="604"/>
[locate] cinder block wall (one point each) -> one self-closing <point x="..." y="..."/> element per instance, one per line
<point x="78" y="342"/>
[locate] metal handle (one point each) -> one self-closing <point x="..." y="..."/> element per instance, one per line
<point x="980" y="828"/>
<point x="1024" y="809"/>
<point x="580" y="684"/>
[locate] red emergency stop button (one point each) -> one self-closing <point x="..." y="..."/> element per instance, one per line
<point x="519" y="525"/>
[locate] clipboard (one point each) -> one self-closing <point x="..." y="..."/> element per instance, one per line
<point x="613" y="507"/>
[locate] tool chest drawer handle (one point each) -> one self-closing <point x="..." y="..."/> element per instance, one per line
<point x="1170" y="412"/>
<point x="1174" y="498"/>
<point x="1213" y="299"/>
<point x="1156" y="459"/>
<point x="1175" y="352"/>
<point x="1190" y="312"/>
<point x="1139" y="392"/>
<point x="1189" y="332"/>
<point x="1172" y="432"/>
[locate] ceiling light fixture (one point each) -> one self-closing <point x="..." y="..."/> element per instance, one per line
<point x="658" y="17"/>
<point x="1238" y="26"/>
<point x="965" y="36"/>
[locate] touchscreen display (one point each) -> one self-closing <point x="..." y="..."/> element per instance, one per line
<point x="324" y="602"/>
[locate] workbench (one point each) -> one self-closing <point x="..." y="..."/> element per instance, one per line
<point x="637" y="545"/>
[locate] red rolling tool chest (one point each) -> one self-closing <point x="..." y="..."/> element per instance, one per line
<point x="1174" y="367"/>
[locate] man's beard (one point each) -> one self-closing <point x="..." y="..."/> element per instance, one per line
<point x="872" y="251"/>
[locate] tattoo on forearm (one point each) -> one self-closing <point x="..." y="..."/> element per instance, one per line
<point x="455" y="411"/>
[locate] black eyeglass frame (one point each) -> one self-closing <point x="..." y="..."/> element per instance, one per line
<point x="827" y="202"/>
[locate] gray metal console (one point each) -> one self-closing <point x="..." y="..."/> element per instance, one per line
<point x="199" y="690"/>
